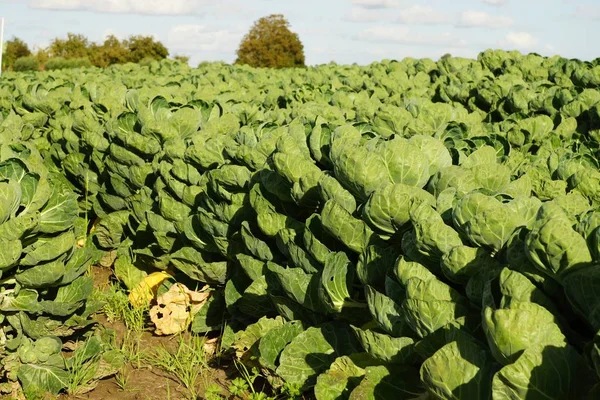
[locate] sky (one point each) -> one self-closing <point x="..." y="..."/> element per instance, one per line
<point x="344" y="31"/>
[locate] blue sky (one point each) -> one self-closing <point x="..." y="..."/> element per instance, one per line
<point x="344" y="31"/>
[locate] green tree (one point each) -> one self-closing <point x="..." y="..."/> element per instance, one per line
<point x="182" y="59"/>
<point x="74" y="46"/>
<point x="41" y="55"/>
<point x="141" y="47"/>
<point x="29" y="63"/>
<point x="270" y="43"/>
<point x="13" y="50"/>
<point x="112" y="51"/>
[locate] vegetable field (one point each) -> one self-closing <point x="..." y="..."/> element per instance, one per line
<point x="402" y="230"/>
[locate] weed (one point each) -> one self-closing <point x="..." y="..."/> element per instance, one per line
<point x="188" y="362"/>
<point x="132" y="351"/>
<point x="214" y="392"/>
<point x="81" y="368"/>
<point x="244" y="386"/>
<point x="122" y="380"/>
<point x="238" y="387"/>
<point x="117" y="307"/>
<point x="168" y="391"/>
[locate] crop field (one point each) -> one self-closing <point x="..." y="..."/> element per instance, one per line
<point x="404" y="230"/>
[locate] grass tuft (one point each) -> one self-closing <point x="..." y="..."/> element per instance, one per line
<point x="188" y="363"/>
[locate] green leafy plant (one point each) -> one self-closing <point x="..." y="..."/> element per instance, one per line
<point x="239" y="386"/>
<point x="407" y="229"/>
<point x="213" y="392"/>
<point x="42" y="286"/>
<point x="91" y="361"/>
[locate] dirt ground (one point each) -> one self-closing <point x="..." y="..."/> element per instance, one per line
<point x="147" y="382"/>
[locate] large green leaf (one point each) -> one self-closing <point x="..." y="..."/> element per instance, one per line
<point x="540" y="372"/>
<point x="61" y="210"/>
<point x="510" y="331"/>
<point x="274" y="341"/>
<point x="48" y="249"/>
<point x="386" y="312"/>
<point x="388" y="382"/>
<point x="352" y="232"/>
<point x="10" y="198"/>
<point x="301" y="287"/>
<point x="459" y="370"/>
<point x="312" y="352"/>
<point x="387" y="348"/>
<point x="337" y="280"/>
<point x="41" y="379"/>
<point x="339" y="380"/>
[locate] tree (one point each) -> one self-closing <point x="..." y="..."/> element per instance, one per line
<point x="28" y="63"/>
<point x="141" y="47"/>
<point x="271" y="44"/>
<point x="182" y="59"/>
<point x="75" y="46"/>
<point x="76" y="50"/>
<point x="112" y="51"/>
<point x="41" y="55"/>
<point x="14" y="49"/>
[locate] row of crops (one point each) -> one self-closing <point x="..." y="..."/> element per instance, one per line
<point x="402" y="230"/>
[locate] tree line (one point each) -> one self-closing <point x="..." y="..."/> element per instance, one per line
<point x="77" y="51"/>
<point x="269" y="44"/>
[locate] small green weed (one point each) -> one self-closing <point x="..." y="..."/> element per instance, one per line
<point x="188" y="362"/>
<point x="214" y="392"/>
<point x="117" y="307"/>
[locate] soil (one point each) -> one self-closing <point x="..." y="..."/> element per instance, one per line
<point x="102" y="277"/>
<point x="142" y="384"/>
<point x="147" y="382"/>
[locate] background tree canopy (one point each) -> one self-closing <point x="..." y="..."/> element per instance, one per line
<point x="77" y="51"/>
<point x="14" y="49"/>
<point x="271" y="44"/>
<point x="74" y="46"/>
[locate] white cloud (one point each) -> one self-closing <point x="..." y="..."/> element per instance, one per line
<point x="403" y="35"/>
<point x="357" y="14"/>
<point x="422" y="15"/>
<point x="376" y="3"/>
<point x="200" y="38"/>
<point x="520" y="40"/>
<point x="149" y="7"/>
<point x="427" y="15"/>
<point x="482" y="19"/>
<point x="495" y="2"/>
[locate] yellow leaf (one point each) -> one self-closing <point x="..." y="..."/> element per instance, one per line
<point x="145" y="291"/>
